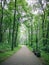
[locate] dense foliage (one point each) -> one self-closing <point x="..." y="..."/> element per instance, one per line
<point x="35" y="17"/>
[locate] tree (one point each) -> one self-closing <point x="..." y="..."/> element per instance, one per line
<point x="1" y="21"/>
<point x="13" y="26"/>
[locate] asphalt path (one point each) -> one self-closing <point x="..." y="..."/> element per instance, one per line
<point x="23" y="57"/>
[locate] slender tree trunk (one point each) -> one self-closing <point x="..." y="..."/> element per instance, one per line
<point x="16" y="36"/>
<point x="1" y="32"/>
<point x="43" y="34"/>
<point x="47" y="35"/>
<point x="9" y="35"/>
<point x="13" y="27"/>
<point x="1" y="21"/>
<point x="31" y="34"/>
<point x="9" y="38"/>
<point x="37" y="40"/>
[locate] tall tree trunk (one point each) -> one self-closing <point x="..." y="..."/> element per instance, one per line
<point x="1" y="32"/>
<point x="31" y="34"/>
<point x="13" y="27"/>
<point x="29" y="37"/>
<point x="9" y="35"/>
<point x="1" y="21"/>
<point x="15" y="44"/>
<point x="9" y="38"/>
<point x="43" y="34"/>
<point x="47" y="35"/>
<point x="37" y="39"/>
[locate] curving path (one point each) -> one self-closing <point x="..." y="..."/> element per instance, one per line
<point x="23" y="57"/>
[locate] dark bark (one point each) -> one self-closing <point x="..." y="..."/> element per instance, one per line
<point x="15" y="44"/>
<point x="43" y="22"/>
<point x="1" y="21"/>
<point x="36" y="43"/>
<point x="13" y="27"/>
<point x="1" y="34"/>
<point x="9" y="35"/>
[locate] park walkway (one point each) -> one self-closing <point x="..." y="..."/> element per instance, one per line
<point x="23" y="57"/>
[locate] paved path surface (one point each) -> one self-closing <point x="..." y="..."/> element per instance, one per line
<point x="23" y="57"/>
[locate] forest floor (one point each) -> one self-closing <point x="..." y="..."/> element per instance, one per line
<point x="23" y="57"/>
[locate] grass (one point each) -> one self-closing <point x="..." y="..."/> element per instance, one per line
<point x="7" y="54"/>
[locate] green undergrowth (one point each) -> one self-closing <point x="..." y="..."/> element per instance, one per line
<point x="44" y="56"/>
<point x="30" y="48"/>
<point x="7" y="54"/>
